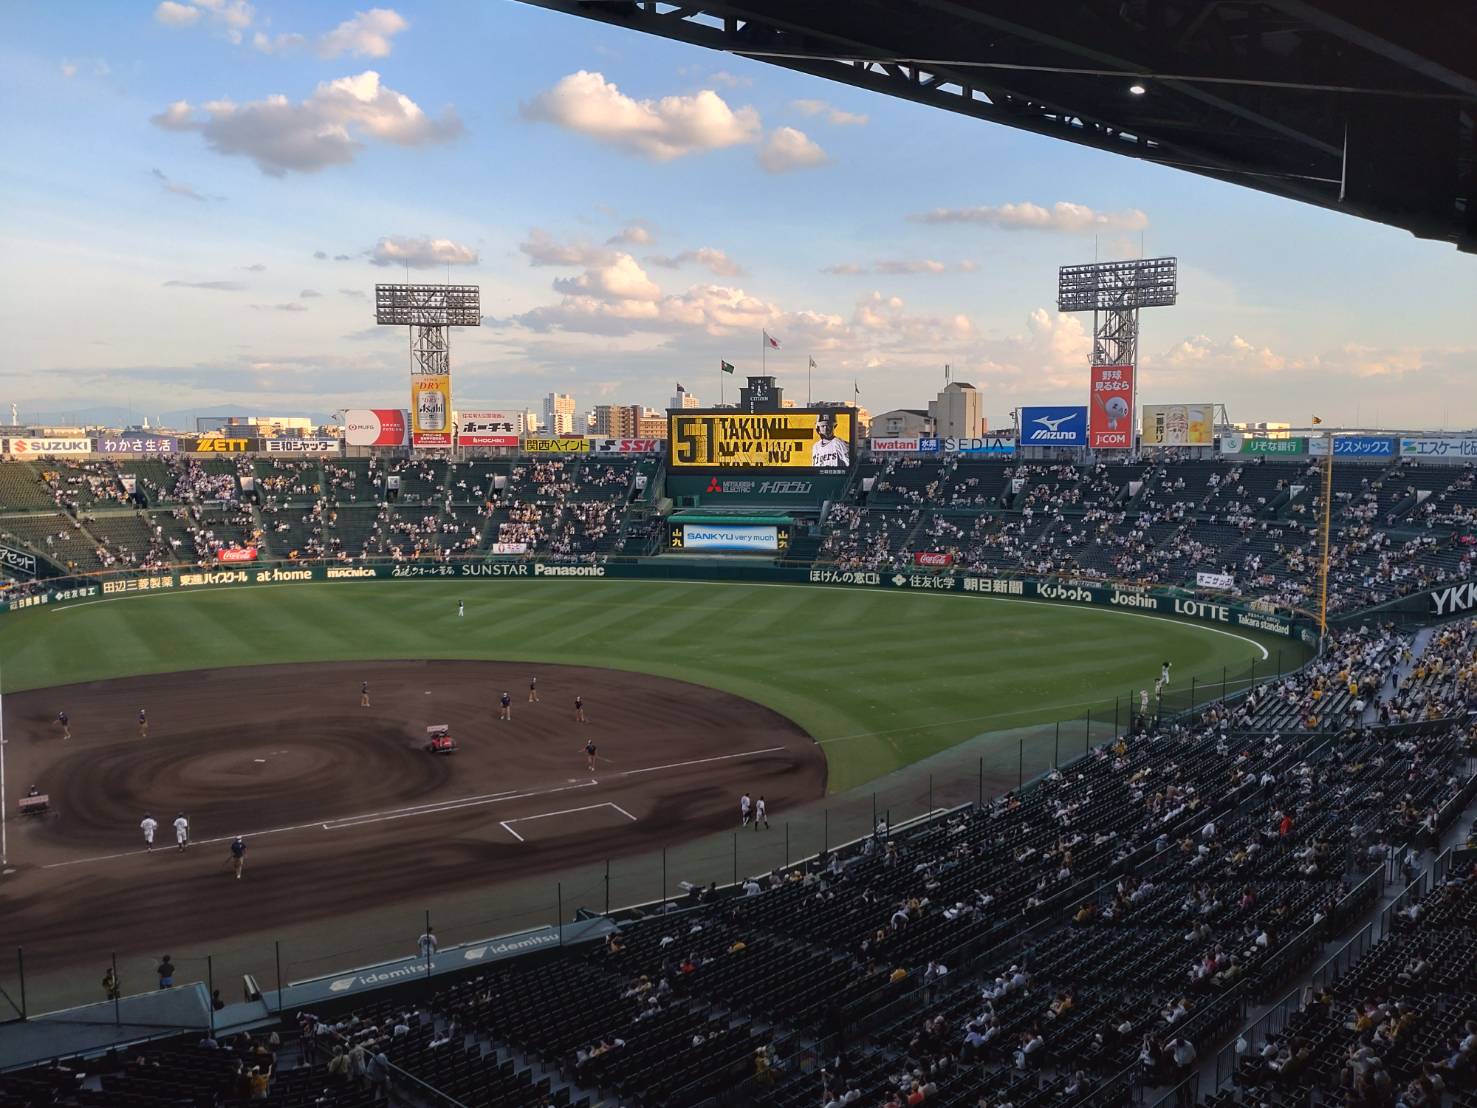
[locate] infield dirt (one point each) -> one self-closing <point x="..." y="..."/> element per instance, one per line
<point x="342" y="809"/>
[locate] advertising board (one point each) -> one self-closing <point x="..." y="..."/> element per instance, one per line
<point x="556" y="446"/>
<point x="932" y="560"/>
<point x="893" y="446"/>
<point x="795" y="438"/>
<point x="40" y="448"/>
<point x="1215" y="580"/>
<point x="733" y="537"/>
<point x="301" y="446"/>
<point x="625" y="446"/>
<point x="1110" y="418"/>
<point x="208" y="444"/>
<point x="490" y="427"/>
<point x="1057" y="425"/>
<point x="236" y="554"/>
<point x="509" y="548"/>
<point x="1001" y="444"/>
<point x="1232" y="443"/>
<point x="1178" y="425"/>
<point x="376" y="426"/>
<point x="18" y="561"/>
<point x="430" y="410"/>
<point x="1433" y="446"/>
<point x="138" y="444"/>
<point x="1354" y="446"/>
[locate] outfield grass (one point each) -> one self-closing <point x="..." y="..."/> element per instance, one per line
<point x="882" y="678"/>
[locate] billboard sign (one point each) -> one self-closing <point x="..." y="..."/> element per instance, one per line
<point x="734" y="537"/>
<point x="301" y="446"/>
<point x="625" y="446"/>
<point x="1058" y="425"/>
<point x="18" y="561"/>
<point x="1354" y="446"/>
<point x="492" y="427"/>
<point x="236" y="554"/>
<point x="376" y="426"/>
<point x="1214" y="580"/>
<point x="430" y="410"/>
<point x="932" y="559"/>
<point x="1438" y="447"/>
<point x="999" y="444"/>
<point x="138" y="444"/>
<point x="795" y="438"/>
<point x="36" y="448"/>
<point x="557" y="446"/>
<point x="1110" y="419"/>
<point x="1178" y="425"/>
<point x="1241" y="444"/>
<point x="893" y="446"/>
<point x="508" y="548"/>
<point x="207" y="444"/>
<point x="929" y="444"/>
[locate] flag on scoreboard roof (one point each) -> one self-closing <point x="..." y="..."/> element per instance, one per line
<point x="679" y="387"/>
<point x="1316" y="421"/>
<point x="774" y="343"/>
<point x="724" y="367"/>
<point x="812" y="363"/>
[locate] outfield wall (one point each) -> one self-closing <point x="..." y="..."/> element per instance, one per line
<point x="1166" y="602"/>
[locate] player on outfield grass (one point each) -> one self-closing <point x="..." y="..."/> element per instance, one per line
<point x="761" y="814"/>
<point x="745" y="804"/>
<point x="506" y="711"/>
<point x="533" y="690"/>
<point x="364" y="694"/>
<point x="238" y="856"/>
<point x="579" y="710"/>
<point x="148" y="825"/>
<point x="143" y="724"/>
<point x="461" y="609"/>
<point x="63" y="719"/>
<point x="181" y="830"/>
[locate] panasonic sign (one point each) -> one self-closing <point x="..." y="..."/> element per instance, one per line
<point x="1054" y="426"/>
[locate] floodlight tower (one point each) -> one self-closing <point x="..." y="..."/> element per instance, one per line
<point x="1114" y="292"/>
<point x="429" y="311"/>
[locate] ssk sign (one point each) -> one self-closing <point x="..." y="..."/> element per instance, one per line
<point x="35" y="448"/>
<point x="627" y="446"/>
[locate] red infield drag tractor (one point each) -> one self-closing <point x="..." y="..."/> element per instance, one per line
<point x="439" y="740"/>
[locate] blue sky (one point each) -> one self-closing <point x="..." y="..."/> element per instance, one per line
<point x="634" y="210"/>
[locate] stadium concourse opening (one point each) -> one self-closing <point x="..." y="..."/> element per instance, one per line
<point x="343" y="811"/>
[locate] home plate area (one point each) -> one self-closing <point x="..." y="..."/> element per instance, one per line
<point x="588" y="817"/>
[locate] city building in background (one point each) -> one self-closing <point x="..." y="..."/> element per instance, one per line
<point x="558" y="414"/>
<point x="1265" y="430"/>
<point x="618" y="421"/>
<point x="653" y="424"/>
<point x="902" y="423"/>
<point x="684" y="399"/>
<point x="959" y="411"/>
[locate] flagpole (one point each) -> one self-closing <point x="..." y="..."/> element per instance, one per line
<point x="809" y="362"/>
<point x="763" y="353"/>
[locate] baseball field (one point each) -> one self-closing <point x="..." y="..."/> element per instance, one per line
<point x="693" y="692"/>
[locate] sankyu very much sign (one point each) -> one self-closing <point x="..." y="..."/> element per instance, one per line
<point x="38" y="448"/>
<point x="1054" y="426"/>
<point x="1438" y="447"/>
<point x="493" y="427"/>
<point x="301" y="446"/>
<point x="1110" y="415"/>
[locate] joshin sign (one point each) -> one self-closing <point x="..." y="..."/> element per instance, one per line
<point x="1110" y="415"/>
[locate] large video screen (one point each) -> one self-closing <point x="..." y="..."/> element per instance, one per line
<point x="796" y="438"/>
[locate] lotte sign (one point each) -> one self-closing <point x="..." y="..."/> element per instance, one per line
<point x="1110" y="414"/>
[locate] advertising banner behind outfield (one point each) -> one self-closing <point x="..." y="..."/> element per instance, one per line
<point x="1215" y="580"/>
<point x="301" y="446"/>
<point x="18" y="561"/>
<point x="236" y="554"/>
<point x="998" y="443"/>
<point x="1059" y="425"/>
<point x="1165" y="602"/>
<point x="1354" y="446"/>
<point x="40" y="448"/>
<point x="376" y="427"/>
<point x="796" y="438"/>
<point x="206" y="444"/>
<point x="733" y="537"/>
<point x="557" y="446"/>
<point x="1178" y="425"/>
<point x="430" y="410"/>
<point x="626" y="446"/>
<point x="1110" y="415"/>
<point x="1438" y="447"/>
<point x="893" y="446"/>
<point x="932" y="559"/>
<point x="1232" y="443"/>
<point x="138" y="444"/>
<point x="490" y="427"/>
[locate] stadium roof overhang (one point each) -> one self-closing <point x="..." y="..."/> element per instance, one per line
<point x="1359" y="106"/>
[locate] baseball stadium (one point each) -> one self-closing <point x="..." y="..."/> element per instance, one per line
<point x="766" y="752"/>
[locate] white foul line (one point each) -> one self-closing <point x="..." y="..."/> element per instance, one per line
<point x="421" y="810"/>
<point x="504" y="824"/>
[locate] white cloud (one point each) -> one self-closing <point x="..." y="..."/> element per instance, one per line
<point x="730" y="80"/>
<point x="255" y="268"/>
<point x="69" y="70"/>
<point x="1200" y="354"/>
<point x="829" y="112"/>
<point x="177" y="188"/>
<point x="176" y="15"/>
<point x="1062" y="217"/>
<point x="621" y="280"/>
<point x="845" y="269"/>
<point x="356" y="294"/>
<point x="662" y="130"/>
<point x="309" y="294"/>
<point x="900" y="267"/>
<point x="276" y="44"/>
<point x="711" y="258"/>
<point x="787" y="149"/>
<point x="323" y="130"/>
<point x="290" y="306"/>
<point x="543" y="249"/>
<point x="210" y="286"/>
<point x="421" y="253"/>
<point x="367" y="35"/>
<point x="636" y="234"/>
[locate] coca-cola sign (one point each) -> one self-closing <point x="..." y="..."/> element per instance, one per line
<point x="932" y="559"/>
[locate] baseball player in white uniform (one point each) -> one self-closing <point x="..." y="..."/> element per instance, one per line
<point x="181" y="830"/>
<point x="148" y="826"/>
<point x="829" y="452"/>
<point x="744" y="805"/>
<point x="761" y="814"/>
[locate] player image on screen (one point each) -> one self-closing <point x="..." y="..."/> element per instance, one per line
<point x="829" y="452"/>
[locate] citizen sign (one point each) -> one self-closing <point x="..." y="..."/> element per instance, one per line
<point x="1457" y="598"/>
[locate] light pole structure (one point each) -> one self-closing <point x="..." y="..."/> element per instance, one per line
<point x="429" y="312"/>
<point x="1114" y="292"/>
